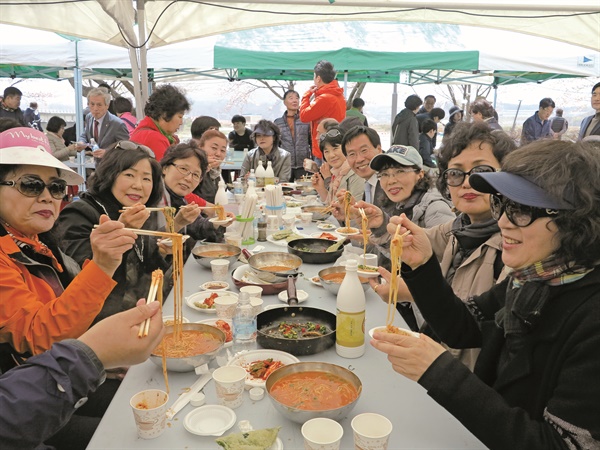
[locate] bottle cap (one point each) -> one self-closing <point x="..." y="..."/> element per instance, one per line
<point x="351" y="264"/>
<point x="198" y="399"/>
<point x="256" y="394"/>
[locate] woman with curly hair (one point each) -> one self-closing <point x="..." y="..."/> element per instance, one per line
<point x="535" y="383"/>
<point x="164" y="115"/>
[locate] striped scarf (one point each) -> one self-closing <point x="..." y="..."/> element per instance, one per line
<point x="551" y="271"/>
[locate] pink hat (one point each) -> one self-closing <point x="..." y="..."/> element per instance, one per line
<point x="27" y="146"/>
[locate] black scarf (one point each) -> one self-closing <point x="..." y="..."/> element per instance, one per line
<point x="469" y="236"/>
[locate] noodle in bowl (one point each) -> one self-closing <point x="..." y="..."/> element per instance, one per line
<point x="201" y="344"/>
<point x="337" y="383"/>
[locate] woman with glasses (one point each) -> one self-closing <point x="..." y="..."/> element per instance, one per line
<point x="468" y="246"/>
<point x="183" y="167"/>
<point x="535" y="384"/>
<point x="342" y="176"/>
<point x="267" y="136"/>
<point x="45" y="296"/>
<point x="127" y="180"/>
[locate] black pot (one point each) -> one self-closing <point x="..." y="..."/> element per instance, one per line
<point x="318" y="255"/>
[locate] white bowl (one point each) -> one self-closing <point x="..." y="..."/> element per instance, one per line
<point x="302" y="296"/>
<point x="412" y="333"/>
<point x="209" y="420"/>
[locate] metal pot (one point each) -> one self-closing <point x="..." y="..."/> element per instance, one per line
<point x="270" y="319"/>
<point x="301" y="415"/>
<point x="265" y="259"/>
<point x="335" y="287"/>
<point x="204" y="261"/>
<point x="318" y="253"/>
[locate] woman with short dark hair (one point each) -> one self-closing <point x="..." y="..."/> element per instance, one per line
<point x="54" y="131"/>
<point x="266" y="135"/>
<point x="164" y="111"/>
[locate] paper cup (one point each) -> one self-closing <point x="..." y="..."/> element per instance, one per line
<point x="229" y="384"/>
<point x="220" y="268"/>
<point x="253" y="291"/>
<point x="371" y="431"/>
<point x="225" y="306"/>
<point x="322" y="434"/>
<point x="150" y="412"/>
<point x="257" y="305"/>
<point x="306" y="217"/>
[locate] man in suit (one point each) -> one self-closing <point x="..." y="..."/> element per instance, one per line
<point x="590" y="126"/>
<point x="100" y="125"/>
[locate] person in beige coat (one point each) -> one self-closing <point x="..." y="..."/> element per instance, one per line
<point x="469" y="247"/>
<point x="54" y="132"/>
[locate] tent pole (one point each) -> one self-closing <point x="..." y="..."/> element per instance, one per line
<point x="78" y="83"/>
<point x="495" y="86"/>
<point x="143" y="50"/>
<point x="135" y="74"/>
<point x="345" y="84"/>
<point x="394" y="107"/>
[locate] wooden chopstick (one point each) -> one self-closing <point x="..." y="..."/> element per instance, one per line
<point x="147" y="209"/>
<point x="149" y="232"/>
<point x="154" y="286"/>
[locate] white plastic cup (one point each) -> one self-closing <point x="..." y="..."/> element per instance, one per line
<point x="253" y="291"/>
<point x="370" y="259"/>
<point x="229" y="385"/>
<point x="257" y="305"/>
<point x="371" y="431"/>
<point x="219" y="267"/>
<point x="225" y="306"/>
<point x="233" y="238"/>
<point x="289" y="220"/>
<point x="150" y="412"/>
<point x="322" y="434"/>
<point x="306" y="217"/>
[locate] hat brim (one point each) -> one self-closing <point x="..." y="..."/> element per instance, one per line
<point x="516" y="188"/>
<point x="38" y="157"/>
<point x="379" y="161"/>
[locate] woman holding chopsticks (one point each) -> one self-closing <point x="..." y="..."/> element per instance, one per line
<point x="127" y="177"/>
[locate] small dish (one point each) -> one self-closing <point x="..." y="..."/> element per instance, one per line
<point x="368" y="273"/>
<point x="325" y="226"/>
<point x="347" y="231"/>
<point x="215" y="286"/>
<point x="245" y="359"/>
<point x="315" y="280"/>
<point x="404" y="330"/>
<point x="199" y="297"/>
<point x="212" y="322"/>
<point x="169" y="243"/>
<point x="209" y="420"/>
<point x="332" y="237"/>
<point x="302" y="296"/>
<point x="216" y="221"/>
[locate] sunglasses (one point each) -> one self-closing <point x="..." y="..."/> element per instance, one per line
<point x="456" y="177"/>
<point x="128" y="145"/>
<point x="33" y="186"/>
<point x="331" y="133"/>
<point x="517" y="214"/>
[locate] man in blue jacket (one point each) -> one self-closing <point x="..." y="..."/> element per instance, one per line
<point x="538" y="125"/>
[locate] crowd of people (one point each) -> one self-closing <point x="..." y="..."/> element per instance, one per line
<point x="500" y="270"/>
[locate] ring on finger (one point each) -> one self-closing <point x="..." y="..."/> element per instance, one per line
<point x="375" y="288"/>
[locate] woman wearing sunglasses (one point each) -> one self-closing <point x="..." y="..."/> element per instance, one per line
<point x="342" y="176"/>
<point x="183" y="166"/>
<point x="536" y="380"/>
<point x="127" y="177"/>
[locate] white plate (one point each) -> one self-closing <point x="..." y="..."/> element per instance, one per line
<point x="326" y="226"/>
<point x="215" y="286"/>
<point x="362" y="273"/>
<point x="288" y="185"/>
<point x="284" y="242"/>
<point x="216" y="221"/>
<point x="244" y="359"/>
<point x="302" y="296"/>
<point x="412" y="333"/>
<point x="315" y="280"/>
<point x="209" y="420"/>
<point x="319" y="233"/>
<point x="341" y="231"/>
<point x="169" y="243"/>
<point x="201" y="296"/>
<point x="212" y="323"/>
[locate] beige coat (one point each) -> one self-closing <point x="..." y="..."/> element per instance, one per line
<point x="474" y="276"/>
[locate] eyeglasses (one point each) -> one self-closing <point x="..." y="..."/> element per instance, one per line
<point x="33" y="186"/>
<point x="186" y="172"/>
<point x="456" y="177"/>
<point x="517" y="214"/>
<point x="397" y="173"/>
<point x="331" y="133"/>
<point x="128" y="145"/>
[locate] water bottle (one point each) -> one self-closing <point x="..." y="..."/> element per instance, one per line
<point x="237" y="187"/>
<point x="252" y="177"/>
<point x="94" y="145"/>
<point x="350" y="318"/>
<point x="244" y="325"/>
<point x="269" y="174"/>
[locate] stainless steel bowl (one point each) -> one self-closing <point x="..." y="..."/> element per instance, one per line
<point x="188" y="364"/>
<point x="335" y="287"/>
<point x="204" y="261"/>
<point x="265" y="259"/>
<point x="317" y="212"/>
<point x="300" y="415"/>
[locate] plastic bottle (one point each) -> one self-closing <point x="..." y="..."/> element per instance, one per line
<point x="251" y="188"/>
<point x="94" y="145"/>
<point x="244" y="325"/>
<point x="260" y="173"/>
<point x="350" y="320"/>
<point x="221" y="195"/>
<point x="252" y="177"/>
<point x="269" y="174"/>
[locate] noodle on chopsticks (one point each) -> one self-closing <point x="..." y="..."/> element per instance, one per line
<point x="347" y="205"/>
<point x="365" y="232"/>
<point x="220" y="211"/>
<point x="169" y="213"/>
<point x="396" y="257"/>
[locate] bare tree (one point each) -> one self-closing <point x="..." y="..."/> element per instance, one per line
<point x="356" y="92"/>
<point x="462" y="95"/>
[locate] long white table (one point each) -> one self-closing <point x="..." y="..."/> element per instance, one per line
<point x="419" y="422"/>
